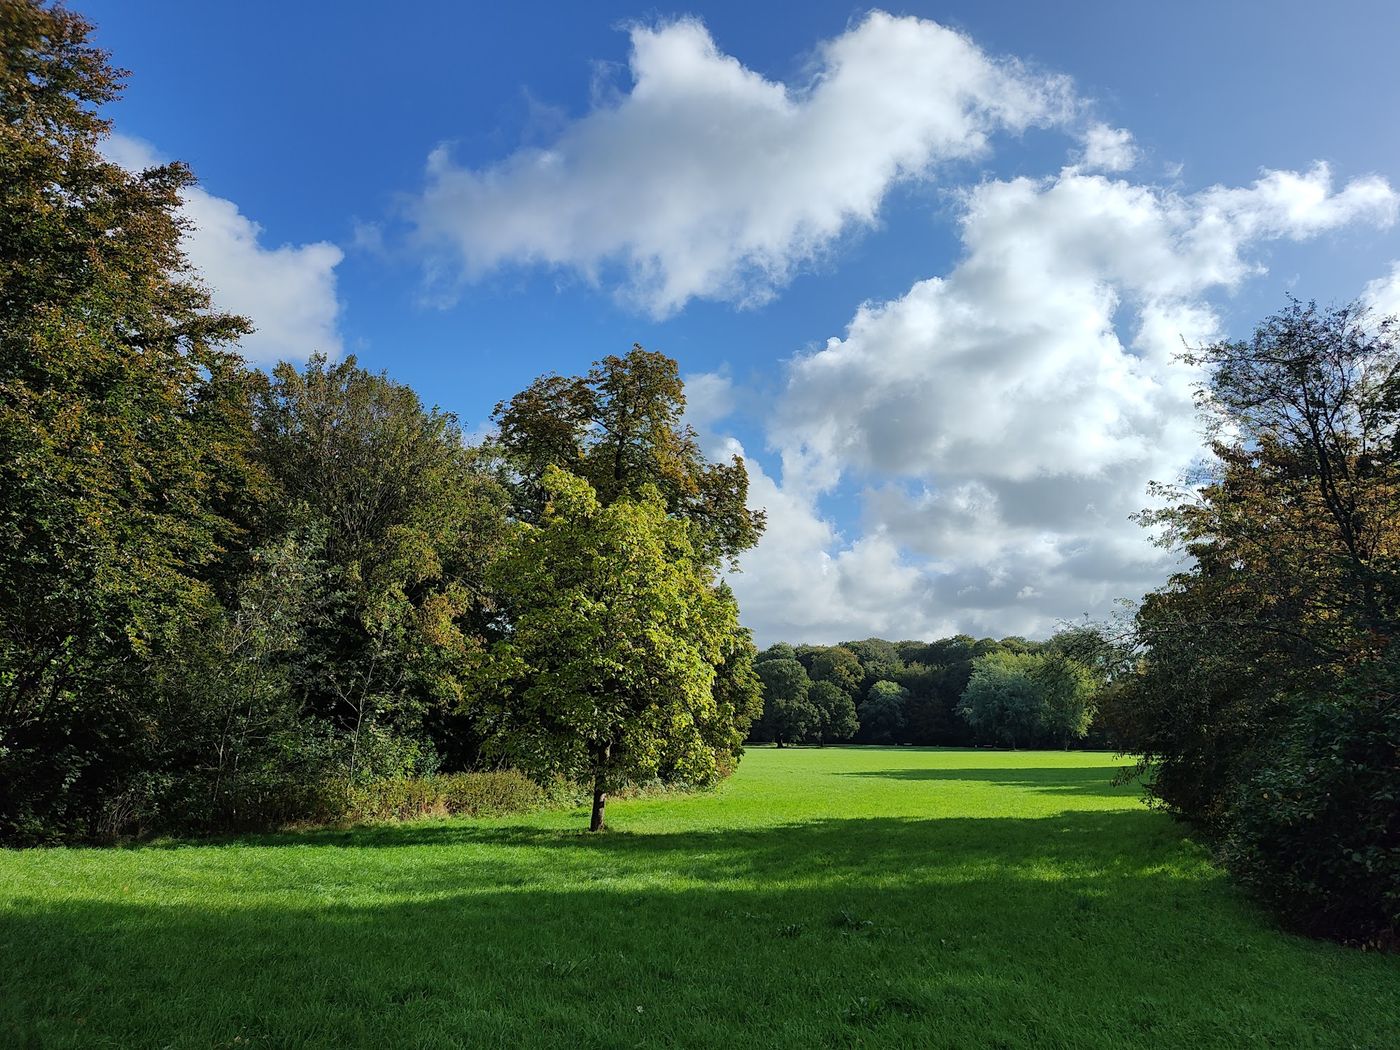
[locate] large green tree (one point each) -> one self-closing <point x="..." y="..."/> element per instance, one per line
<point x="788" y="714"/>
<point x="410" y="517"/>
<point x="836" y="713"/>
<point x="125" y="468"/>
<point x="1004" y="699"/>
<point x="1264" y="709"/>
<point x="616" y="630"/>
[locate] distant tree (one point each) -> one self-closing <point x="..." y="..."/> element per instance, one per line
<point x="621" y="428"/>
<point x="836" y="712"/>
<point x="912" y="652"/>
<point x="926" y="715"/>
<point x="1004" y="698"/>
<point x="882" y="713"/>
<point x="1067" y="694"/>
<point x="788" y="714"/>
<point x="776" y="651"/>
<point x="806" y="654"/>
<point x="1014" y="643"/>
<point x="839" y="666"/>
<point x="617" y="628"/>
<point x="878" y="661"/>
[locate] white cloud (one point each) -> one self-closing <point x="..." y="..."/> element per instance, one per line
<point x="288" y="292"/>
<point x="1006" y="418"/>
<point x="1383" y="294"/>
<point x="709" y="399"/>
<point x="709" y="180"/>
<point x="1108" y="149"/>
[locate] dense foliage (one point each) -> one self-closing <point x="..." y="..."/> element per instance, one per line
<point x="1267" y="703"/>
<point x="953" y="691"/>
<point x="616" y="630"/>
<point x="235" y="599"/>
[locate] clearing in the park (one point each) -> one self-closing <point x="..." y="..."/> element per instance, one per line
<point x="821" y="897"/>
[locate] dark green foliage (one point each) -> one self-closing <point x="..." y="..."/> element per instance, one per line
<point x="839" y="666"/>
<point x="879" y="661"/>
<point x="931" y="678"/>
<point x="125" y="474"/>
<point x="1268" y="665"/>
<point x="410" y="518"/>
<point x="837" y="721"/>
<point x="1003" y="700"/>
<point x="1316" y="828"/>
<point x="882" y="713"/>
<point x="788" y="715"/>
<point x="777" y="651"/>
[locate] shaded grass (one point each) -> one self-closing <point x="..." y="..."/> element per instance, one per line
<point x="836" y="897"/>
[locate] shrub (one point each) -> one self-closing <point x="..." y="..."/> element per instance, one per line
<point x="1316" y="829"/>
<point x="454" y="794"/>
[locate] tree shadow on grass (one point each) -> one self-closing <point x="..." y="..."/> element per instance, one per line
<point x="1094" y="781"/>
<point x="1081" y="929"/>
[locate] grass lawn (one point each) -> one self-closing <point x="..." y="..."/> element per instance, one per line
<point x="837" y="897"/>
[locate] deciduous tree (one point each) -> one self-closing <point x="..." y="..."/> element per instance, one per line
<point x="616" y="628"/>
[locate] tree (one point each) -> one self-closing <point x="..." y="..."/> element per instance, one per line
<point x="1067" y="692"/>
<point x="621" y="428"/>
<point x="839" y="666"/>
<point x="777" y="651"/>
<point x="411" y="517"/>
<point x="882" y="714"/>
<point x="1273" y="653"/>
<point x="836" y="712"/>
<point x="616" y="628"/>
<point x="126" y="477"/>
<point x="878" y="660"/>
<point x="1004" y="699"/>
<point x="788" y="715"/>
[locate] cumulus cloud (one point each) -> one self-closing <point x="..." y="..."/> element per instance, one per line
<point x="1383" y="294"/>
<point x="1108" y="149"/>
<point x="1006" y="418"/>
<point x="708" y="180"/>
<point x="710" y="397"/>
<point x="289" y="292"/>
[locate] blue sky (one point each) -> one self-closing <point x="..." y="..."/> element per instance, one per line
<point x="1088" y="183"/>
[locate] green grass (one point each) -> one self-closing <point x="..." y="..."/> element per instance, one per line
<point x="838" y="897"/>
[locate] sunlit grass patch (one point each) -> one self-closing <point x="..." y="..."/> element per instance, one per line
<point x="844" y="896"/>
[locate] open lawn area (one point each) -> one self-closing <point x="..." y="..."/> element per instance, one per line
<point x="832" y="897"/>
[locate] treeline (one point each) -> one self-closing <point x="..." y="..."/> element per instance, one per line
<point x="956" y="691"/>
<point x="233" y="599"/>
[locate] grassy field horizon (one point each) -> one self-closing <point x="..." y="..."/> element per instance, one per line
<point x="820" y="897"/>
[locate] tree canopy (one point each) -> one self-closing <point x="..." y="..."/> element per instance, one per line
<point x="621" y="428"/>
<point x="1272" y="653"/>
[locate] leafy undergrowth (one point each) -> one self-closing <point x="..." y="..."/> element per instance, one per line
<point x="836" y="897"/>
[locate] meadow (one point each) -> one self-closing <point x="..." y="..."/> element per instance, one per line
<point x="820" y="897"/>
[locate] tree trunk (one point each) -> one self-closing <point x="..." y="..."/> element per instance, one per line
<point x="600" y="794"/>
<point x="600" y="799"/>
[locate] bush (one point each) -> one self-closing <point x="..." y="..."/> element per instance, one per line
<point x="1316" y="830"/>
<point x="453" y="794"/>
